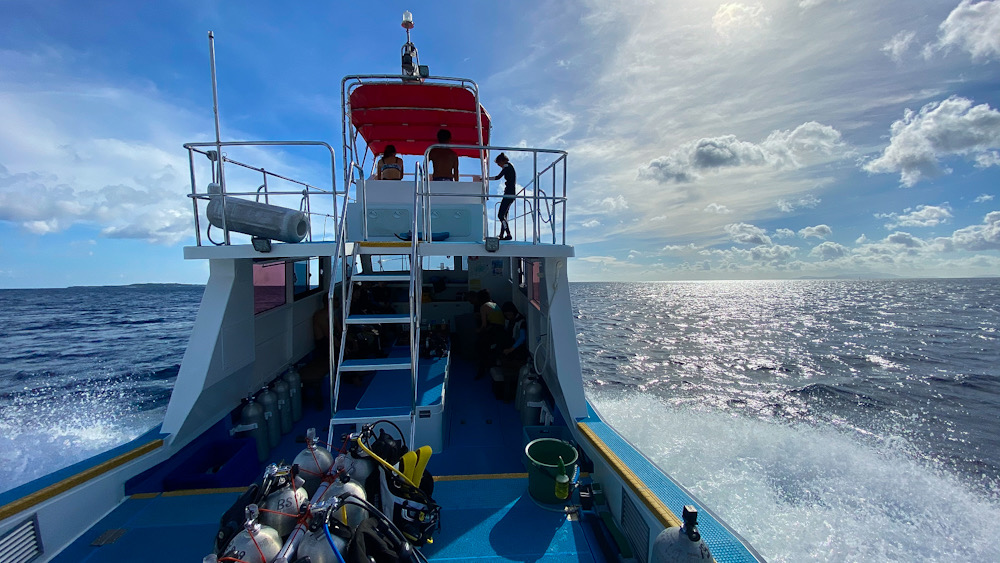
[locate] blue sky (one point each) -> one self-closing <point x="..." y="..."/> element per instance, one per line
<point x="707" y="140"/>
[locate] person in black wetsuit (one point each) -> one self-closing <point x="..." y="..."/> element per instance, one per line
<point x="508" y="173"/>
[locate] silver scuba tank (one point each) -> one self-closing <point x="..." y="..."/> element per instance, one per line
<point x="533" y="393"/>
<point x="683" y="544"/>
<point x="253" y="415"/>
<point x="350" y="514"/>
<point x="256" y="543"/>
<point x="280" y="389"/>
<point x="523" y="378"/>
<point x="315" y="544"/>
<point x="281" y="507"/>
<point x="269" y="401"/>
<point x="359" y="468"/>
<point x="294" y="381"/>
<point x="314" y="461"/>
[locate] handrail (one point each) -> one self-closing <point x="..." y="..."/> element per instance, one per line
<point x="212" y="150"/>
<point x="537" y="197"/>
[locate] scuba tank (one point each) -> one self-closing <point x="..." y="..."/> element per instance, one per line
<point x="523" y="379"/>
<point x="315" y="545"/>
<point x="294" y="381"/>
<point x="253" y="414"/>
<point x="313" y="462"/>
<point x="269" y="401"/>
<point x="350" y="514"/>
<point x="256" y="543"/>
<point x="282" y="505"/>
<point x="280" y="389"/>
<point x="681" y="544"/>
<point x="533" y="393"/>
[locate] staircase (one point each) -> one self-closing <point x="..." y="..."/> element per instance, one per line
<point x="393" y="372"/>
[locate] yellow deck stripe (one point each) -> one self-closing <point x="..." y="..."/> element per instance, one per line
<point x="190" y="492"/>
<point x="144" y="495"/>
<point x="68" y="483"/>
<point x="648" y="497"/>
<point x="481" y="476"/>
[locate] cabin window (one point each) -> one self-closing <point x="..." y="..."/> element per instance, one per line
<point x="531" y="278"/>
<point x="306" y="277"/>
<point x="268" y="286"/>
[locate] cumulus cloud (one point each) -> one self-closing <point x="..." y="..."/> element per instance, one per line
<point x="591" y="224"/>
<point x="900" y="43"/>
<point x="717" y="208"/>
<point x="819" y="231"/>
<point x="983" y="198"/>
<point x="829" y="251"/>
<point x="744" y="233"/>
<point x="806" y="144"/>
<point x="615" y="203"/>
<point x="919" y="140"/>
<point x="973" y="27"/>
<point x="904" y="239"/>
<point x="922" y="216"/>
<point x="979" y="237"/>
<point x="784" y="233"/>
<point x="987" y="159"/>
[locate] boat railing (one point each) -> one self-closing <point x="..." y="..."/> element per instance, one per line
<point x="275" y="189"/>
<point x="532" y="197"/>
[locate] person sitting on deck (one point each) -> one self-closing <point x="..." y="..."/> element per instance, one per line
<point x="443" y="159"/>
<point x="490" y="331"/>
<point x="513" y="353"/>
<point x="390" y="166"/>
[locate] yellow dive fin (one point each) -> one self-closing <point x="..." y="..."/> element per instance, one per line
<point x="407" y="464"/>
<point x="423" y="456"/>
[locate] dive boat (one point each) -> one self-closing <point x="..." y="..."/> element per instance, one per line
<point x="349" y="379"/>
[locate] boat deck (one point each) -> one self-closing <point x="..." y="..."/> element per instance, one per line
<point x="487" y="514"/>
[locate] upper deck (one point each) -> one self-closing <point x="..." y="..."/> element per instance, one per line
<point x="317" y="216"/>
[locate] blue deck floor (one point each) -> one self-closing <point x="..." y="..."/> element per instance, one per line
<point x="483" y="519"/>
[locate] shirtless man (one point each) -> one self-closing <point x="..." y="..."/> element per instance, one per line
<point x="445" y="160"/>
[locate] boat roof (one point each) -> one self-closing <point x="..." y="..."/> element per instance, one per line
<point x="408" y="116"/>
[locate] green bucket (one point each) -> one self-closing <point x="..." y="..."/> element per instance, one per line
<point x="543" y="467"/>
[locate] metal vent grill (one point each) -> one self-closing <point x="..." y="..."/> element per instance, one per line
<point x="22" y="543"/>
<point x="635" y="528"/>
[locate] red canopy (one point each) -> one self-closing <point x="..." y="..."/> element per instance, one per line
<point x="409" y="115"/>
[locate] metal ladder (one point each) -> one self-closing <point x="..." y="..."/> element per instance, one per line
<point x="398" y="414"/>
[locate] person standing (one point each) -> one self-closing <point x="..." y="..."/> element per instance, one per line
<point x="509" y="175"/>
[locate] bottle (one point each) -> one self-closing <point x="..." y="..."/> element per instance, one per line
<point x="562" y="482"/>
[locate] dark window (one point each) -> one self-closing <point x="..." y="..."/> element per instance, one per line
<point x="268" y="286"/>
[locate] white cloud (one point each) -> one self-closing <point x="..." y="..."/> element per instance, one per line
<point x="829" y="251"/>
<point x="900" y="43"/>
<point x="862" y="239"/>
<point x="819" y="231"/>
<point x="784" y="233"/>
<point x="922" y="216"/>
<point x="733" y="20"/>
<point x="983" y="198"/>
<point x="904" y="239"/>
<point x="987" y="159"/>
<point x="951" y="127"/>
<point x="591" y="224"/>
<point x="973" y="27"/>
<point x="717" y="208"/>
<point x="808" y="201"/>
<point x="744" y="233"/>
<point x="979" y="237"/>
<point x="615" y="203"/>
<point x="807" y="144"/>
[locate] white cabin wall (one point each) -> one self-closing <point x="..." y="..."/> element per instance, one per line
<point x="220" y="348"/>
<point x="564" y="355"/>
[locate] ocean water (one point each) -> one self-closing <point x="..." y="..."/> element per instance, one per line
<point x="823" y="420"/>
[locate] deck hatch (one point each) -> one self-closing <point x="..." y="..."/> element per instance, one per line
<point x="22" y="543"/>
<point x="636" y="529"/>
